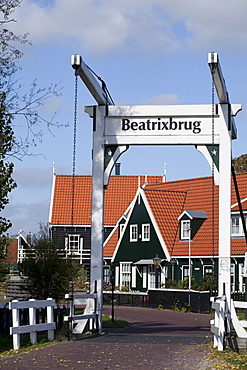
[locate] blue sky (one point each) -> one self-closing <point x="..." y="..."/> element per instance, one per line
<point x="148" y="52"/>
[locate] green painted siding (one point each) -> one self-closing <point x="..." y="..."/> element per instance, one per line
<point x="134" y="251"/>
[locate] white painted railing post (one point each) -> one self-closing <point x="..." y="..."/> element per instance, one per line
<point x="32" y="321"/>
<point x="50" y="319"/>
<point x="218" y="323"/>
<point x="33" y="327"/>
<point x="16" y="323"/>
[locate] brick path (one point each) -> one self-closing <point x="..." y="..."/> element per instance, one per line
<point x="157" y="339"/>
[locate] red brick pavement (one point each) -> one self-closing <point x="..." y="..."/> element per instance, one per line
<point x="156" y="340"/>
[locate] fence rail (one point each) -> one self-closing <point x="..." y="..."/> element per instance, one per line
<point x="177" y="299"/>
<point x="32" y="327"/>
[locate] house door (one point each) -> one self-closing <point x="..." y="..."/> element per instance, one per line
<point x="151" y="277"/>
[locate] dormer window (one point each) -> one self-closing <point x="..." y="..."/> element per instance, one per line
<point x="190" y="223"/>
<point x="185" y="229"/>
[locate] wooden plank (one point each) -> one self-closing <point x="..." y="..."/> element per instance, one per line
<point x="214" y="330"/>
<point x="31" y="304"/>
<point x="32" y="328"/>
<point x="216" y="306"/>
<point x="79" y="317"/>
<point x="240" y="304"/>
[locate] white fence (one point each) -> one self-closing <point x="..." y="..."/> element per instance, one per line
<point x="17" y="329"/>
<point x="79" y="322"/>
<point x="218" y="323"/>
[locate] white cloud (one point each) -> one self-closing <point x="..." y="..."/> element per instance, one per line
<point x="26" y="217"/>
<point x="33" y="177"/>
<point x="148" y="26"/>
<point x="98" y="26"/>
<point x="215" y="24"/>
<point x="163" y="99"/>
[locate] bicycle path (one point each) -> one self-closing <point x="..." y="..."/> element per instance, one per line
<point x="156" y="339"/>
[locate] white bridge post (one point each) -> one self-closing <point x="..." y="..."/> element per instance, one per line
<point x="97" y="227"/>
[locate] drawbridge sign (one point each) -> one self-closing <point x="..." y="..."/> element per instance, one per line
<point x="115" y="128"/>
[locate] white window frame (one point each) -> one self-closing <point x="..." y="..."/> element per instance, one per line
<point x="74" y="247"/>
<point x="233" y="270"/>
<point x="125" y="274"/>
<point x="184" y="276"/>
<point x="208" y="266"/>
<point x="235" y="225"/>
<point x="106" y="274"/>
<point x="185" y="229"/>
<point x="241" y="280"/>
<point x="134" y="233"/>
<point x="239" y="231"/>
<point x="145" y="232"/>
<point x="151" y="277"/>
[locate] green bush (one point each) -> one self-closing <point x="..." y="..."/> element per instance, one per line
<point x="47" y="274"/>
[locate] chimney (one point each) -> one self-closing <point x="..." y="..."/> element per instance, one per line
<point x="164" y="176"/>
<point x="117" y="169"/>
<point x="29" y="238"/>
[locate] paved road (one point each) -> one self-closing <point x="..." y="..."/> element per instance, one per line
<point x="157" y="339"/>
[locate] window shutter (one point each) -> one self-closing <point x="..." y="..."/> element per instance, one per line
<point x="144" y="277"/>
<point x="117" y="276"/>
<point x="133" y="277"/>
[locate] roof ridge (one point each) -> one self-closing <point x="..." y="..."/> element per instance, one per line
<point x="183" y="180"/>
<point x="166" y="191"/>
<point x="112" y="175"/>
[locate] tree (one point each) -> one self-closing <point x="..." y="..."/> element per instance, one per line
<point x="47" y="274"/>
<point x="17" y="106"/>
<point x="240" y="163"/>
<point x="7" y="183"/>
<point x="9" y="52"/>
<point x="23" y="106"/>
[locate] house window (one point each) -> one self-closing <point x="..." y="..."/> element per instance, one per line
<point x="232" y="277"/>
<point x="133" y="233"/>
<point x="185" y="229"/>
<point x="185" y="272"/>
<point x="125" y="274"/>
<point x="151" y="277"/>
<point x="208" y="270"/>
<point x="73" y="245"/>
<point x="106" y="271"/>
<point x="145" y="232"/>
<point x="241" y="278"/>
<point x="237" y="227"/>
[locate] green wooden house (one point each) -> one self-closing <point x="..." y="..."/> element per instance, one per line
<point x="157" y="224"/>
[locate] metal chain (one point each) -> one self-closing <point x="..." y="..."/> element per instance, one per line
<point x="74" y="150"/>
<point x="213" y="164"/>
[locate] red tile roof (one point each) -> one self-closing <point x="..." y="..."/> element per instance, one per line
<point x="166" y="207"/>
<point x="199" y="197"/>
<point x="120" y="192"/>
<point x="168" y="200"/>
<point x="111" y="243"/>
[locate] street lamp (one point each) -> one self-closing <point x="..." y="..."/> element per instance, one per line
<point x="156" y="262"/>
<point x="173" y="264"/>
